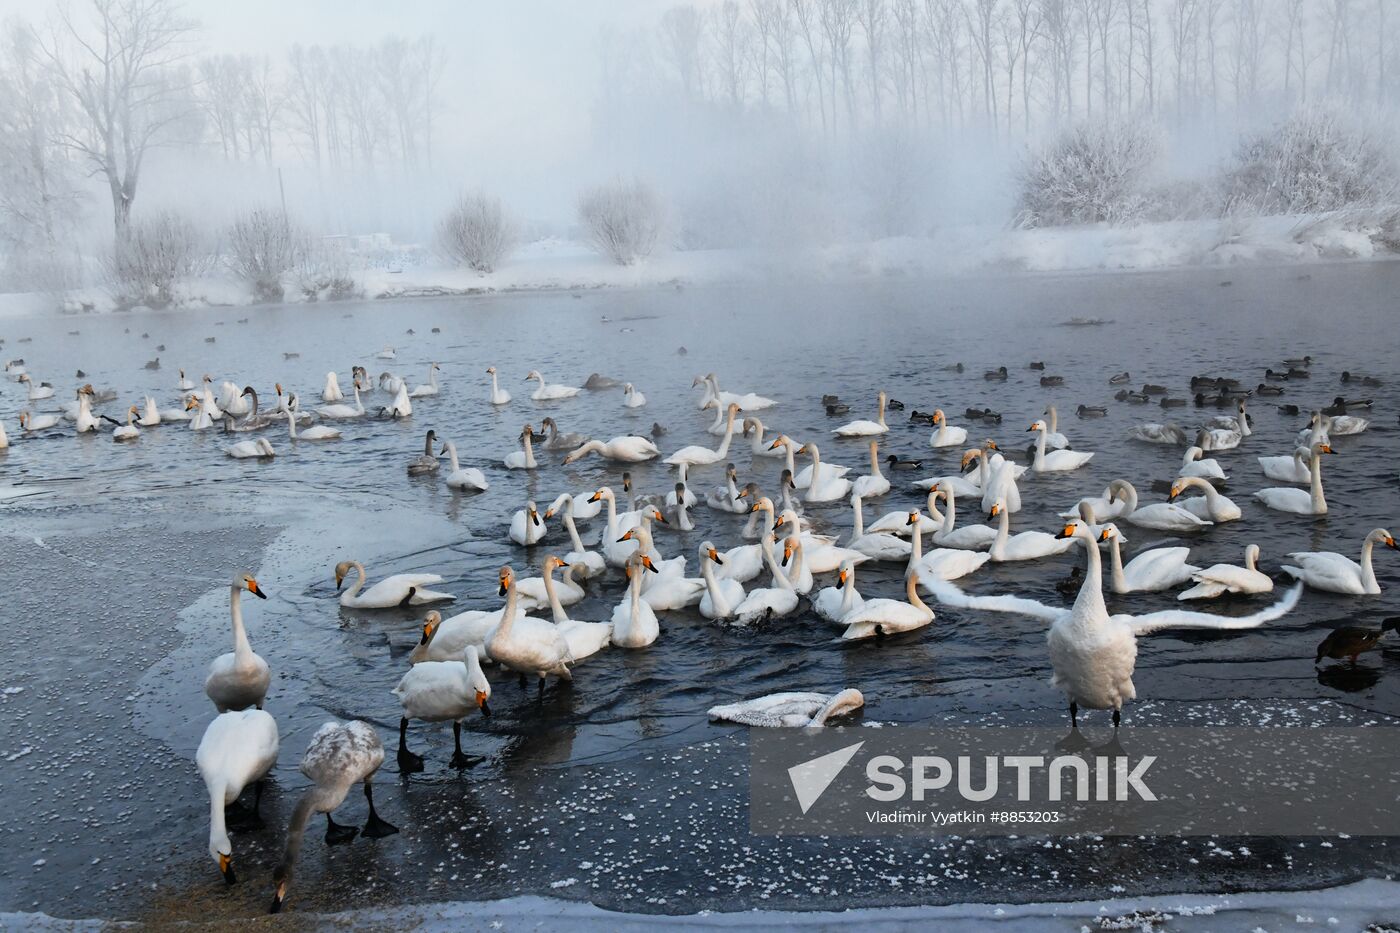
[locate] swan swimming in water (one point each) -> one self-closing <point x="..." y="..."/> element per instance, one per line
<point x="1330" y="571"/>
<point x="833" y="603"/>
<point x="251" y="450"/>
<point x="524" y="458"/>
<point x="401" y="589"/>
<point x="340" y="755"/>
<point x="549" y="393"/>
<point x="888" y="616"/>
<point x="1149" y="571"/>
<point x="628" y="448"/>
<point x="945" y="435"/>
<point x="499" y="396"/>
<point x="634" y="622"/>
<point x="1298" y="501"/>
<point x="1212" y="505"/>
<point x="431" y="386"/>
<point x="1219" y="579"/>
<point x="865" y="428"/>
<point x="790" y="710"/>
<point x="1056" y="461"/>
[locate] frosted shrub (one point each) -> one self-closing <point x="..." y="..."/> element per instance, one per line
<point x="154" y="256"/>
<point x="1317" y="160"/>
<point x="624" y="220"/>
<point x="262" y="248"/>
<point x="476" y="233"/>
<point x="1091" y="173"/>
<point x="322" y="273"/>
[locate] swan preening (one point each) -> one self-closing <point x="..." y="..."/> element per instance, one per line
<point x="790" y="710"/>
<point x="401" y="589"/>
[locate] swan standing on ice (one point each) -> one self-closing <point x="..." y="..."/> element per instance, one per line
<point x="239" y="679"/>
<point x="401" y="589"/>
<point x="499" y="396"/>
<point x="549" y="393"/>
<point x="1218" y="579"/>
<point x="790" y="710"/>
<point x="631" y="398"/>
<point x="865" y="428"/>
<point x="1330" y="571"/>
<point x="1149" y="571"/>
<point x="340" y="755"/>
<point x="439" y="691"/>
<point x="238" y="749"/>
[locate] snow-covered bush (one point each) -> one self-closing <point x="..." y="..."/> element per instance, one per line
<point x="624" y="220"/>
<point x="154" y="256"/>
<point x="322" y="273"/>
<point x="1094" y="172"/>
<point x="262" y="247"/>
<point x="476" y="232"/>
<point x="1317" y="160"/>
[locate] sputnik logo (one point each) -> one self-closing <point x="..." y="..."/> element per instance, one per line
<point x="811" y="778"/>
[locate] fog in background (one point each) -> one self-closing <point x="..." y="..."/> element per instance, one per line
<point x="760" y="122"/>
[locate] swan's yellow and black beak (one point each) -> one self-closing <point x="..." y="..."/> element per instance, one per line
<point x="1067" y="531"/>
<point x="430" y="628"/>
<point x="548" y="514"/>
<point x="755" y="507"/>
<point x="482" y="704"/>
<point x="841" y="577"/>
<point x="1176" y="491"/>
<point x="1031" y="428"/>
<point x="714" y="556"/>
<point x="802" y="449"/>
<point x="1327" y="449"/>
<point x="646" y="562"/>
<point x="996" y="510"/>
<point x="1105" y="534"/>
<point x="779" y="522"/>
<point x="1390" y="541"/>
<point x="992" y="445"/>
<point x="277" y="897"/>
<point x="506" y="576"/>
<point x="937" y="417"/>
<point x="339" y="578"/>
<point x="777" y="442"/>
<point x="658" y="517"/>
<point x="627" y="536"/>
<point x="596" y="496"/>
<point x="787" y="550"/>
<point x="535" y="517"/>
<point x="254" y="588"/>
<point x="226" y="869"/>
<point x="913" y="518"/>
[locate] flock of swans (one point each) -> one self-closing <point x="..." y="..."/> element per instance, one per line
<point x="1092" y="652"/>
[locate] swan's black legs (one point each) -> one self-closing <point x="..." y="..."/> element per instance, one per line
<point x="375" y="827"/>
<point x="1074" y="714"/>
<point x="1117" y="717"/>
<point x="460" y="759"/>
<point x="523" y="682"/>
<point x="409" y="763"/>
<point x="339" y="835"/>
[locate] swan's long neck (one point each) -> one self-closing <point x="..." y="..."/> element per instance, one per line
<point x="939" y="519"/>
<point x="359" y="405"/>
<point x="911" y="593"/>
<point x="848" y="593"/>
<point x="292" y="424"/>
<point x="495" y="386"/>
<point x="555" y="607"/>
<point x="1040" y="447"/>
<point x="296" y="832"/>
<point x="508" y="611"/>
<point x="719" y="419"/>
<point x="611" y="500"/>
<point x="756" y="445"/>
<point x="1054" y="415"/>
<point x="916" y="550"/>
<point x="1319" y="504"/>
<point x="723" y="449"/>
<point x="1249" y="562"/>
<point x="1089" y="604"/>
<point x="880" y="417"/>
<point x="707" y="572"/>
<point x="984" y="469"/>
<point x="875" y="461"/>
<point x="218" y="829"/>
<point x="1130" y="498"/>
<point x="780" y="580"/>
<point x="1003" y="530"/>
<point x="359" y="579"/>
<point x="1120" y="583"/>
<point x="791" y="462"/>
<point x="242" y="650"/>
<point x="575" y="541"/>
<point x="1368" y="573"/>
<point x="527" y="445"/>
<point x="858" y="508"/>
<point x="452" y="456"/>
<point x="636" y="593"/>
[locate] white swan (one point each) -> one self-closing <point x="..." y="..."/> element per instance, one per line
<point x="1219" y="579"/>
<point x="584" y="639"/>
<point x="524" y="458"/>
<point x="874" y="484"/>
<point x="728" y="498"/>
<point x="888" y="616"/>
<point x="1028" y="545"/>
<point x="400" y="589"/>
<point x="4" y="438"/>
<point x="86" y="420"/>
<point x="627" y="448"/>
<point x="150" y="413"/>
<point x="747" y="401"/>
<point x="1330" y="571"/>
<point x="331" y="392"/>
<point x="877" y="545"/>
<point x="184" y="385"/>
<point x="1212" y="505"/>
<point x="941" y="563"/>
<point x="775" y="601"/>
<point x="499" y="396"/>
<point x="1154" y="433"/>
<point x="968" y="537"/>
<point x="586" y="563"/>
<point x="1093" y="654"/>
<point x="696" y="455"/>
<point x="441" y="691"/>
<point x="1295" y="500"/>
<point x="249" y="450"/>
<point x="547" y="392"/>
<point x="340" y="755"/>
<point x="753" y="429"/>
<point x="802" y="479"/>
<point x="722" y="595"/>
<point x="1162" y="516"/>
<point x="1056" y="461"/>
<point x="525" y="645"/>
<point x="863" y="428"/>
<point x="526" y="526"/>
<point x="401" y="406"/>
<point x="32" y="422"/>
<point x="1344" y="425"/>
<point x="1228" y="430"/>
<point x="1193" y="463"/>
<point x="999" y="477"/>
<point x="342" y="411"/>
<point x="386" y="354"/>
<point x="319" y="432"/>
<point x="430" y="387"/>
<point x="790" y="710"/>
<point x="945" y="435"/>
<point x="616" y="552"/>
<point x="460" y="477"/>
<point x="834" y="603"/>
<point x="1149" y="571"/>
<point x="820" y="553"/>
<point x="239" y="679"/>
<point x="824" y="487"/>
<point x="1053" y="438"/>
<point x="534" y="591"/>
<point x="1295" y="468"/>
<point x="631" y="398"/>
<point x="238" y="749"/>
<point x="128" y="431"/>
<point x="36" y="392"/>
<point x="634" y="622"/>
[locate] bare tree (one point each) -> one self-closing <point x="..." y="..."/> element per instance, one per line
<point x="624" y="220"/>
<point x="263" y="246"/>
<point x="154" y="257"/>
<point x="681" y="30"/>
<point x="806" y="15"/>
<point x="872" y="16"/>
<point x="120" y="66"/>
<point x="476" y="232"/>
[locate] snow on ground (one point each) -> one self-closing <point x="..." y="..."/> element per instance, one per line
<point x="1370" y="904"/>
<point x="555" y="264"/>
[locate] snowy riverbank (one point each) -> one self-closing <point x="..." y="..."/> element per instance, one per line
<point x="1363" y="905"/>
<point x="555" y="264"/>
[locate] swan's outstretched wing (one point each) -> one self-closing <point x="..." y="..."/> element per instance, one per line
<point x="1180" y="618"/>
<point x="951" y="595"/>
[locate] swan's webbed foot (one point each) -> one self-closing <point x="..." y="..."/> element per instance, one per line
<point x="461" y="760"/>
<point x="337" y="835"/>
<point x="376" y="827"/>
<point x="1074" y="742"/>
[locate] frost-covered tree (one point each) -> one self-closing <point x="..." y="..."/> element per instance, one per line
<point x="263" y="247"/>
<point x="1093" y="172"/>
<point x="155" y="256"/>
<point x="1316" y="160"/>
<point x="476" y="232"/>
<point x="624" y="220"/>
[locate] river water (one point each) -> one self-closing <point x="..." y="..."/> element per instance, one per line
<point x="617" y="790"/>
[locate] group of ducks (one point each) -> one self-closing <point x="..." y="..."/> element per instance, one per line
<point x="1092" y="652"/>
